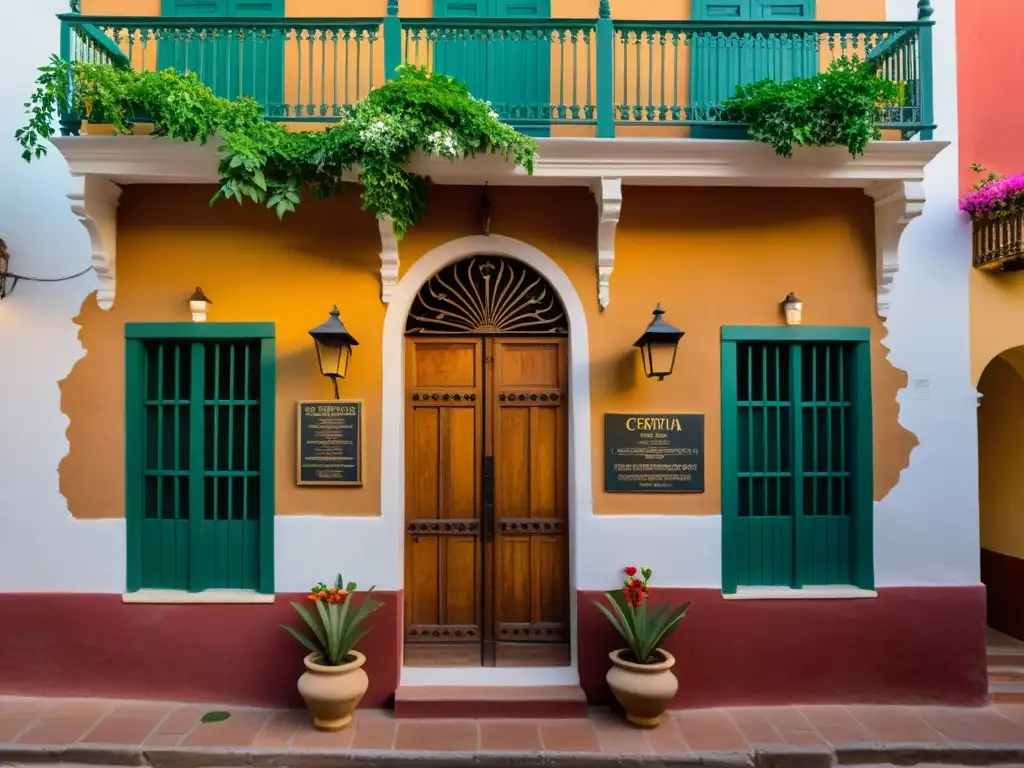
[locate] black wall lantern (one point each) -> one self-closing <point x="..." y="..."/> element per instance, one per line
<point x="658" y="346"/>
<point x="333" y="348"/>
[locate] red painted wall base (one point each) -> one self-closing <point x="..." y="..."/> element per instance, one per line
<point x="907" y="646"/>
<point x="1004" y="584"/>
<point x="96" y="645"/>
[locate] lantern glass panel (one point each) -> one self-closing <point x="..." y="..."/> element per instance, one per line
<point x="660" y="358"/>
<point x="333" y="359"/>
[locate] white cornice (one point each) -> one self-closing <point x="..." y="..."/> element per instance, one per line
<point x="560" y="161"/>
<point x="891" y="172"/>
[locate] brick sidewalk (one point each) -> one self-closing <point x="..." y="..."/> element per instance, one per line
<point x="111" y="732"/>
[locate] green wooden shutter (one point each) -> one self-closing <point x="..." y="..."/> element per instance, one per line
<point x="166" y="440"/>
<point x="232" y="67"/>
<point x="200" y="437"/>
<point x="462" y="53"/>
<point x="824" y="447"/>
<point x="719" y="63"/>
<point x="797" y="468"/>
<point x="730" y="471"/>
<point x="791" y="55"/>
<point x="207" y="57"/>
<point x="862" y="467"/>
<point x="511" y="69"/>
<point x="764" y="532"/>
<point x="519" y="69"/>
<point x="229" y="527"/>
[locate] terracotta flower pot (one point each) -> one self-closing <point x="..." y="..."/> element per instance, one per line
<point x="644" y="690"/>
<point x="332" y="693"/>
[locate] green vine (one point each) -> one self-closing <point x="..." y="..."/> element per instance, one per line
<point x="840" y="106"/>
<point x="266" y="163"/>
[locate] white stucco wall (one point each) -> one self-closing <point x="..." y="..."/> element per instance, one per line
<point x="41" y="547"/>
<point x="926" y="530"/>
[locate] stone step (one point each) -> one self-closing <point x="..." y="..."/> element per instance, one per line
<point x="1004" y="656"/>
<point x="1006" y="674"/>
<point x="458" y="701"/>
<point x="1006" y="693"/>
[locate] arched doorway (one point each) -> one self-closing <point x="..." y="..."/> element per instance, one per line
<point x="1001" y="489"/>
<point x="486" y="475"/>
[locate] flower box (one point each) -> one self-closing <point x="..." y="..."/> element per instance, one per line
<point x="999" y="241"/>
<point x="996" y="207"/>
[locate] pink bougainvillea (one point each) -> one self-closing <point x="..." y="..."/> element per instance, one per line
<point x="994" y="195"/>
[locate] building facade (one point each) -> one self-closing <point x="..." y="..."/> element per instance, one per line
<point x="162" y="476"/>
<point x="995" y="316"/>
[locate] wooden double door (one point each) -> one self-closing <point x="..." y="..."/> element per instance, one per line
<point x="486" y="542"/>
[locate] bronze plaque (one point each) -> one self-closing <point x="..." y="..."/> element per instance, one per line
<point x="330" y="442"/>
<point x="654" y="453"/>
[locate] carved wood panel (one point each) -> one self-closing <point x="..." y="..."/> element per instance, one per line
<point x="443" y="585"/>
<point x="443" y="527"/>
<point x="528" y="420"/>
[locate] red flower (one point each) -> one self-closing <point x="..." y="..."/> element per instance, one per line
<point x="635" y="595"/>
<point x="630" y="570"/>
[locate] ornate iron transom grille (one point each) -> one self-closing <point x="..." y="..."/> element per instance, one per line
<point x="487" y="296"/>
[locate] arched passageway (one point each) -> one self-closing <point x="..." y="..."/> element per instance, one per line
<point x="1001" y="489"/>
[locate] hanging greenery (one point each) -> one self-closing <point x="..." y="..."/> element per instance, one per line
<point x="266" y="163"/>
<point x="840" y="106"/>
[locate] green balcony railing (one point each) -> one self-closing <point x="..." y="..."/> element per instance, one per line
<point x="573" y="76"/>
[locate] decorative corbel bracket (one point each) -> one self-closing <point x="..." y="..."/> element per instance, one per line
<point x="388" y="259"/>
<point x="94" y="200"/>
<point x="897" y="203"/>
<point x="608" y="193"/>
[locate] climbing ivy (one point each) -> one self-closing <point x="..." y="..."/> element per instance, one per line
<point x="263" y="161"/>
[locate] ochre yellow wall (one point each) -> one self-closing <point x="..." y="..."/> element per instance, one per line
<point x="711" y="256"/>
<point x="717" y="257"/>
<point x="997" y="316"/>
<point x="253" y="268"/>
<point x="1000" y="480"/>
<point x="343" y="71"/>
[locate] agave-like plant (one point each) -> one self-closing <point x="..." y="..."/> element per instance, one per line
<point x="628" y="614"/>
<point x="336" y="627"/>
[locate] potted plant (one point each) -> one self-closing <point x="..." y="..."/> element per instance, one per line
<point x="641" y="676"/>
<point x="996" y="207"/>
<point x="334" y="681"/>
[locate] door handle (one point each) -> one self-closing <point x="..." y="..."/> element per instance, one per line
<point x="488" y="520"/>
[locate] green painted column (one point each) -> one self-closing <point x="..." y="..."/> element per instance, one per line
<point x="392" y="41"/>
<point x="605" y="72"/>
<point x="927" y="54"/>
<point x="70" y="123"/>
